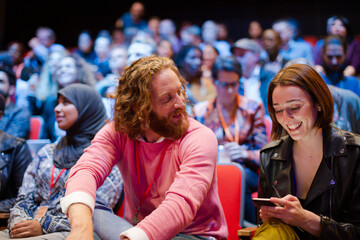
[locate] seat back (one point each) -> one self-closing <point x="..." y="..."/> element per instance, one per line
<point x="36" y="126"/>
<point x="231" y="185"/>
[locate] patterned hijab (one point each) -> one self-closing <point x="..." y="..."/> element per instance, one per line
<point x="91" y="119"/>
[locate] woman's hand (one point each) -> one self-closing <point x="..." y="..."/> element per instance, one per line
<point x="26" y="228"/>
<point x="292" y="213"/>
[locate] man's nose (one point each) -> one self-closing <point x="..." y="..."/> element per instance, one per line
<point x="180" y="101"/>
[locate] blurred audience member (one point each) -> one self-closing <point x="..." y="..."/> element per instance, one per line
<point x="141" y="46"/>
<point x="117" y="63"/>
<point x="188" y="60"/>
<point x="255" y="32"/>
<point x="16" y="119"/>
<point x="118" y="37"/>
<point x="41" y="46"/>
<point x="14" y="159"/>
<point x="209" y="33"/>
<point x="14" y="57"/>
<point x="102" y="50"/>
<point x="334" y="54"/>
<point x="255" y="80"/>
<point x="164" y="49"/>
<point x="271" y="60"/>
<point x="290" y="48"/>
<point x="132" y="21"/>
<point x="237" y="122"/>
<point x="210" y="53"/>
<point x="71" y="69"/>
<point x="154" y="25"/>
<point x="340" y="26"/>
<point x="223" y="32"/>
<point x="85" y="47"/>
<point x="167" y="30"/>
<point x="191" y="35"/>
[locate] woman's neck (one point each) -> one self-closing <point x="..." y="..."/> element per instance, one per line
<point x="312" y="142"/>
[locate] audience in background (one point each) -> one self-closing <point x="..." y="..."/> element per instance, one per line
<point x="255" y="32"/>
<point x="15" y="157"/>
<point x="340" y="26"/>
<point x="190" y="35"/>
<point x="254" y="80"/>
<point x="132" y="22"/>
<point x="167" y="30"/>
<point x="141" y="46"/>
<point x="334" y="54"/>
<point x="71" y="69"/>
<point x="85" y="47"/>
<point x="16" y="119"/>
<point x="209" y="33"/>
<point x="271" y="60"/>
<point x="290" y="48"/>
<point x="238" y="124"/>
<point x="165" y="49"/>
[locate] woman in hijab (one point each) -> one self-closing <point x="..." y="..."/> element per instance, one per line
<point x="80" y="112"/>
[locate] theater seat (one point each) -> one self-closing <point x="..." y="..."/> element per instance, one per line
<point x="36" y="126"/>
<point x="231" y="185"/>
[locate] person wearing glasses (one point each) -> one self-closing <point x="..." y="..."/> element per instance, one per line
<point x="237" y="122"/>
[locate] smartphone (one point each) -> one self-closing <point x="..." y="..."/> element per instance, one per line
<point x="264" y="201"/>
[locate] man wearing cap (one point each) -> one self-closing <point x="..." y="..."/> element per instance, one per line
<point x="255" y="80"/>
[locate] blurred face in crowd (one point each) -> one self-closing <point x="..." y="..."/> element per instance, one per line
<point x="102" y="47"/>
<point x="66" y="113"/>
<point x="271" y="41"/>
<point x="209" y="56"/>
<point x="117" y="61"/>
<point x="227" y="86"/>
<point x="138" y="50"/>
<point x="165" y="49"/>
<point x="137" y="11"/>
<point x="45" y="37"/>
<point x="53" y="61"/>
<point x="166" y="28"/>
<point x="66" y="72"/>
<point x="334" y="56"/>
<point x="255" y="30"/>
<point x="209" y="31"/>
<point x="85" y="42"/>
<point x="192" y="62"/>
<point x="284" y="30"/>
<point x="295" y="111"/>
<point x="222" y="32"/>
<point x="16" y="52"/>
<point x="168" y="117"/>
<point x="248" y="60"/>
<point x="338" y="28"/>
<point x="153" y="25"/>
<point x="4" y="84"/>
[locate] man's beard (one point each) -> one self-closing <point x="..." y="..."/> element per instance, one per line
<point x="164" y="127"/>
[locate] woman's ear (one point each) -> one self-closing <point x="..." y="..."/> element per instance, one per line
<point x="318" y="107"/>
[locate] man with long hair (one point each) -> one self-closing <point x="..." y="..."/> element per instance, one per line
<point x="167" y="161"/>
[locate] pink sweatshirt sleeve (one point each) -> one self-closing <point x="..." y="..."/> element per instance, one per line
<point x="197" y="152"/>
<point x="93" y="167"/>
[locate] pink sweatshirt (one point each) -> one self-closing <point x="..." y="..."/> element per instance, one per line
<point x="184" y="197"/>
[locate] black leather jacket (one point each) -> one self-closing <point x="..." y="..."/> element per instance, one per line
<point x="335" y="190"/>
<point x="14" y="159"/>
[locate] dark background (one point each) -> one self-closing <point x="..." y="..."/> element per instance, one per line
<point x="19" y="19"/>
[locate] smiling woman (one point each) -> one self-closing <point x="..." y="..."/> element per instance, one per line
<point x="311" y="169"/>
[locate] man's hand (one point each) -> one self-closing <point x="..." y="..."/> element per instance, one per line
<point x="26" y="228"/>
<point x="33" y="42"/>
<point x="80" y="222"/>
